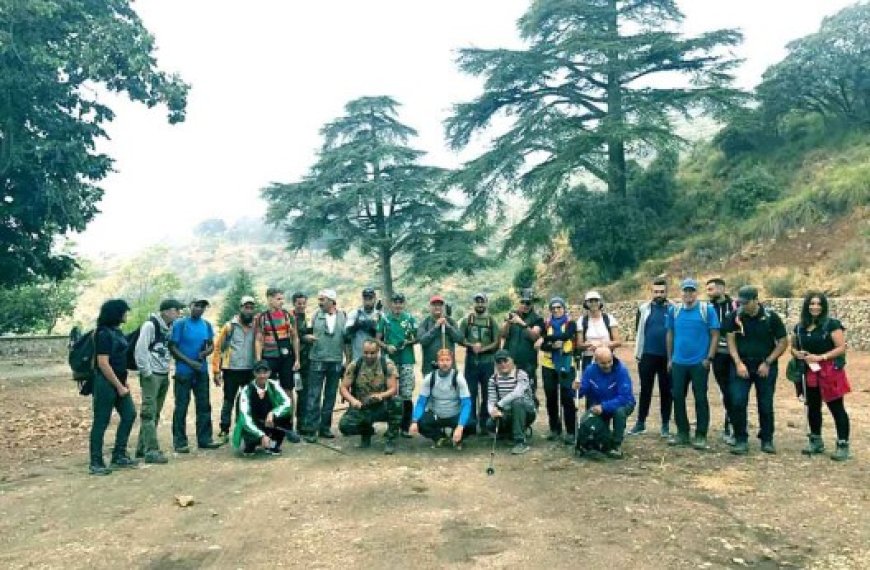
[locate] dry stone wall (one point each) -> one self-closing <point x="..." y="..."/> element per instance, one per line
<point x="33" y="347"/>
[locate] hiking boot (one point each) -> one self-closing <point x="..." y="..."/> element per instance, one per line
<point x="182" y="449"/>
<point x="310" y="438"/>
<point x="569" y="440"/>
<point x="638" y="429"/>
<point x="680" y="439"/>
<point x="327" y="434"/>
<point x="815" y="445"/>
<point x="293" y="437"/>
<point x="554" y="436"/>
<point x="156" y="457"/>
<point x="123" y="462"/>
<point x="842" y="451"/>
<point x="365" y="441"/>
<point x="519" y="448"/>
<point x="665" y="432"/>
<point x="210" y="445"/>
<point x="768" y="447"/>
<point x="700" y="443"/>
<point x="389" y="447"/>
<point x="615" y="453"/>
<point x="442" y="442"/>
<point x="740" y="448"/>
<point x="139" y="454"/>
<point x="224" y="437"/>
<point x="406" y="434"/>
<point x="99" y="470"/>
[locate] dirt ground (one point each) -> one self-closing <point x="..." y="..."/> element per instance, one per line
<point x="423" y="507"/>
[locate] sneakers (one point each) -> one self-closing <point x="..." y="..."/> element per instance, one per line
<point x="554" y="436"/>
<point x="224" y="437"/>
<point x="182" y="449"/>
<point x="638" y="429"/>
<point x="99" y="470"/>
<point x="327" y="434"/>
<point x="123" y="462"/>
<point x="814" y="446"/>
<point x="365" y="441"/>
<point x="519" y="448"/>
<point x="569" y="440"/>
<point x="665" y="432"/>
<point x="293" y="437"/>
<point x="156" y="457"/>
<point x="310" y="438"/>
<point x="442" y="442"/>
<point x="768" y="447"/>
<point x="700" y="443"/>
<point x="740" y="448"/>
<point x="273" y="450"/>
<point x="210" y="445"/>
<point x="842" y="451"/>
<point x="615" y="453"/>
<point x="680" y="439"/>
<point x="389" y="447"/>
<point x="406" y="434"/>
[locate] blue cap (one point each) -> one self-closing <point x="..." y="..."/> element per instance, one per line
<point x="689" y="284"/>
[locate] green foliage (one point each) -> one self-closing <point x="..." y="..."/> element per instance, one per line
<point x="524" y="279"/>
<point x="37" y="307"/>
<point x="749" y="190"/>
<point x="145" y="297"/>
<point x="243" y="284"/>
<point x="501" y="304"/>
<point x="211" y="227"/>
<point x="52" y="55"/>
<point x="781" y="286"/>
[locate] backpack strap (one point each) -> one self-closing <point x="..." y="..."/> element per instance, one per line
<point x="606" y="318"/>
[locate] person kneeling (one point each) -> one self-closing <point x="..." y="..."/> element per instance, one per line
<point x="510" y="402"/>
<point x="369" y="386"/>
<point x="265" y="414"/>
<point x="444" y="402"/>
<point x="607" y="386"/>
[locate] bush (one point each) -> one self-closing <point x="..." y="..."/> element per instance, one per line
<point x="525" y="279"/>
<point x="744" y="194"/>
<point x="500" y="304"/>
<point x="780" y="286"/>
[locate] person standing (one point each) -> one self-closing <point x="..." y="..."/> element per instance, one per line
<point x="303" y="331"/>
<point x="191" y="342"/>
<point x="722" y="365"/>
<point x="362" y="324"/>
<point x="397" y="334"/>
<point x="651" y="352"/>
<point x="481" y="339"/>
<point x="692" y="337"/>
<point x="276" y="340"/>
<point x="327" y="358"/>
<point x="153" y="359"/>
<point x="521" y="330"/>
<point x="233" y="360"/>
<point x="756" y="339"/>
<point x="557" y="370"/>
<point x="110" y="388"/>
<point x="596" y="328"/>
<point x="437" y="332"/>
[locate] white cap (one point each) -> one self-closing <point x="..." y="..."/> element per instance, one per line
<point x="593" y="295"/>
<point x="328" y="293"/>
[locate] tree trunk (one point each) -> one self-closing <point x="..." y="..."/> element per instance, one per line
<point x="615" y="114"/>
<point x="387" y="272"/>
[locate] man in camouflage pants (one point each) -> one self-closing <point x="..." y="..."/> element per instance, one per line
<point x="370" y="385"/>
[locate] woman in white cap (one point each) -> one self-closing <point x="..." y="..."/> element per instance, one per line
<point x="596" y="328"/>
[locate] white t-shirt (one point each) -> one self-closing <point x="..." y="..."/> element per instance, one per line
<point x="330" y="322"/>
<point x="597" y="333"/>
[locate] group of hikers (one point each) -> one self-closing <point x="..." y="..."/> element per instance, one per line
<point x="281" y="371"/>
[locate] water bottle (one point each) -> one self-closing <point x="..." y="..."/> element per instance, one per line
<point x="297" y="381"/>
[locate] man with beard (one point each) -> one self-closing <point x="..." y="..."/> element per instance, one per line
<point x="362" y="324"/>
<point x="481" y="340"/>
<point x="327" y="359"/>
<point x="520" y="330"/>
<point x="722" y="364"/>
<point x="233" y="360"/>
<point x="437" y="332"/>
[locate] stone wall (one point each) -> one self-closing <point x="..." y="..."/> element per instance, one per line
<point x="855" y="314"/>
<point x="33" y="347"/>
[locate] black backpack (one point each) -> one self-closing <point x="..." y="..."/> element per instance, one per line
<point x="593" y="434"/>
<point x="133" y="338"/>
<point x="452" y="378"/>
<point x="585" y="324"/>
<point x="82" y="360"/>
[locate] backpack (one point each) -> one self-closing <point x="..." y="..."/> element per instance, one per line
<point x="703" y="306"/>
<point x="82" y="360"/>
<point x="133" y="338"/>
<point x="585" y="324"/>
<point x="593" y="434"/>
<point x="452" y="378"/>
<point x="487" y="328"/>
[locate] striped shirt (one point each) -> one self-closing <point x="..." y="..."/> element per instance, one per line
<point x="503" y="390"/>
<point x="281" y="327"/>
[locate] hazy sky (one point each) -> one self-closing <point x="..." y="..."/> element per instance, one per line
<point x="267" y="74"/>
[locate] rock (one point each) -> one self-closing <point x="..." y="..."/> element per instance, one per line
<point x="739" y="561"/>
<point x="184" y="500"/>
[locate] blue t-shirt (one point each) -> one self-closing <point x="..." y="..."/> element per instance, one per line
<point x="654" y="332"/>
<point x="190" y="336"/>
<point x="691" y="333"/>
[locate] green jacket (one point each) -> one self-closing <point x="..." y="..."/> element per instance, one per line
<point x="282" y="407"/>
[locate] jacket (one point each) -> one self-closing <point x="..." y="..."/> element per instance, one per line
<point x="233" y="347"/>
<point x="643" y="313"/>
<point x="282" y="407"/>
<point x="612" y="390"/>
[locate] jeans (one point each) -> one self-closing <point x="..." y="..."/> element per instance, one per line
<point x="764" y="389"/>
<point x="477" y="374"/>
<point x="322" y="389"/>
<point x="154" y="389"/>
<point x="650" y="366"/>
<point x="557" y="395"/>
<point x="198" y="383"/>
<point x="250" y="441"/>
<point x="723" y="368"/>
<point x="681" y="376"/>
<point x="106" y="398"/>
<point x="619" y="419"/>
<point x="233" y="382"/>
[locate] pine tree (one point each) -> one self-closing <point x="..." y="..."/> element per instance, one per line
<point x="243" y="284"/>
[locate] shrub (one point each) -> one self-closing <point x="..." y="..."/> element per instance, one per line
<point x="781" y="286"/>
<point x="744" y="194"/>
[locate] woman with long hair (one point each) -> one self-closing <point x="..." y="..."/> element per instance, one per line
<point x="110" y="388"/>
<point x="819" y="341"/>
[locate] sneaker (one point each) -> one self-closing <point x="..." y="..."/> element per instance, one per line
<point x="519" y="448"/>
<point x="406" y="434"/>
<point x="248" y="453"/>
<point x="389" y="447"/>
<point x="123" y="462"/>
<point x="726" y="434"/>
<point x="224" y="437"/>
<point x="99" y="470"/>
<point x="740" y="448"/>
<point x="327" y="434"/>
<point x="700" y="443"/>
<point x="814" y="446"/>
<point x="615" y="453"/>
<point x="665" y="432"/>
<point x="638" y="429"/>
<point x="767" y="447"/>
<point x="182" y="449"/>
<point x="569" y="440"/>
<point x="273" y="451"/>
<point x="156" y="457"/>
<point x="310" y="438"/>
<point x="729" y="439"/>
<point x="210" y="445"/>
<point x="442" y="442"/>
<point x="293" y="437"/>
<point x="680" y="439"/>
<point x="554" y="436"/>
<point x="842" y="451"/>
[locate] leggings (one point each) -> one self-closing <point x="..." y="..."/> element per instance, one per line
<point x="837" y="408"/>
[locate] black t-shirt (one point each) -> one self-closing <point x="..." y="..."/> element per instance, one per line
<point x="111" y="342"/>
<point x="817" y="341"/>
<point x="260" y="407"/>
<point x="517" y="343"/>
<point x="755" y="336"/>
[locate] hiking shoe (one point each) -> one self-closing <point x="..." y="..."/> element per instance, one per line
<point x="389" y="447"/>
<point x="99" y="470"/>
<point x="327" y="434"/>
<point x="139" y="454"/>
<point x="273" y="450"/>
<point x="442" y="442"/>
<point x="519" y="448"/>
<point x="248" y="453"/>
<point x="224" y="437"/>
<point x="740" y="448"/>
<point x="123" y="462"/>
<point x="768" y="447"/>
<point x="680" y="439"/>
<point x="210" y="445"/>
<point x="365" y="441"/>
<point x="700" y="443"/>
<point x="638" y="429"/>
<point x="182" y="449"/>
<point x="665" y="432"/>
<point x="814" y="446"/>
<point x="310" y="438"/>
<point x="406" y="434"/>
<point x="842" y="451"/>
<point x="156" y="457"/>
<point x="569" y="440"/>
<point x="729" y="439"/>
<point x="615" y="453"/>
<point x="554" y="436"/>
<point x="293" y="437"/>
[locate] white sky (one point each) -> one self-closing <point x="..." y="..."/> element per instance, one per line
<point x="267" y="74"/>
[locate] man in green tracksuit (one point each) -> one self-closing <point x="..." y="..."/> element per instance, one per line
<point x="397" y="334"/>
<point x="265" y="414"/>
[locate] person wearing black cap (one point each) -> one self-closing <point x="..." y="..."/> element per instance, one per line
<point x="265" y="414"/>
<point x="724" y="305"/>
<point x="397" y="334"/>
<point x="362" y="324"/>
<point x="480" y="332"/>
<point x="510" y="401"/>
<point x="437" y="332"/>
<point x="152" y="360"/>
<point x="756" y="338"/>
<point x="520" y="330"/>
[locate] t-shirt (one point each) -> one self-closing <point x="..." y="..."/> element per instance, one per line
<point x="443" y="399"/>
<point x="755" y="336"/>
<point x="110" y="341"/>
<point x="654" y="341"/>
<point x="691" y="333"/>
<point x="396" y="329"/>
<point x="277" y="336"/>
<point x="190" y="336"/>
<point x="364" y="326"/>
<point x="518" y="344"/>
<point x="597" y="332"/>
<point x="817" y="341"/>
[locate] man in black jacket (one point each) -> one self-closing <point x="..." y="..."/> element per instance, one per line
<point x="721" y="365"/>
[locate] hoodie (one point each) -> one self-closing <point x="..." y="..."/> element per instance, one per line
<point x="152" y="357"/>
<point x="612" y="390"/>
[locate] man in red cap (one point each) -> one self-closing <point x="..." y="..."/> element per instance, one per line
<point x="437" y="331"/>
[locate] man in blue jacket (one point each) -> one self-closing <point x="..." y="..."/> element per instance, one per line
<point x="607" y="386"/>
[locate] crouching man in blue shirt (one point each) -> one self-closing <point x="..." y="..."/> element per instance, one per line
<point x="607" y="386"/>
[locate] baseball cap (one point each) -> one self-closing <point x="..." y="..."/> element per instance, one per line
<point x="688" y="284"/>
<point x="167" y="304"/>
<point x="558" y="301"/>
<point x="480" y="296"/>
<point x="436" y="299"/>
<point x="262" y="365"/>
<point x="527" y="295"/>
<point x="399" y="297"/>
<point x="368" y="292"/>
<point x="247" y="299"/>
<point x="328" y="293"/>
<point x="502" y="355"/>
<point x="200" y="301"/>
<point x="593" y="295"/>
<point x="747" y="293"/>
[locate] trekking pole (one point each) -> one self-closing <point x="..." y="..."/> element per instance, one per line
<point x="329" y="447"/>
<point x="491" y="469"/>
<point x="806" y="405"/>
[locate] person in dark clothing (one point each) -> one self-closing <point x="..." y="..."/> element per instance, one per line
<point x="437" y="332"/>
<point x="520" y="331"/>
<point x="481" y="339"/>
<point x="819" y="342"/>
<point x="110" y="388"/>
<point x="265" y="413"/>
<point x="651" y="353"/>
<point x="557" y="369"/>
<point x="304" y="330"/>
<point x="721" y="364"/>
<point x="756" y="338"/>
